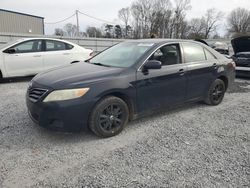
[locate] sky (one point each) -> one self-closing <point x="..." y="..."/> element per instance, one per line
<point x="56" y="10"/>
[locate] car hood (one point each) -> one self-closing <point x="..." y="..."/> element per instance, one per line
<point x="75" y="75"/>
<point x="241" y="44"/>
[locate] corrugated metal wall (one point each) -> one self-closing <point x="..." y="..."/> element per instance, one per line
<point x="19" y="23"/>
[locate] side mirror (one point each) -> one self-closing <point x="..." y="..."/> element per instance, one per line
<point x="10" y="51"/>
<point x="152" y="64"/>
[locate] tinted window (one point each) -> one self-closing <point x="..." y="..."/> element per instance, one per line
<point x="167" y="55"/>
<point x="209" y="55"/>
<point x="28" y="46"/>
<point x="193" y="52"/>
<point x="55" y="45"/>
<point x="69" y="46"/>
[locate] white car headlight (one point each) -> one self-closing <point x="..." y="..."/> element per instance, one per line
<point x="66" y="94"/>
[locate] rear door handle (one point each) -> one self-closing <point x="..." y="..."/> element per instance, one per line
<point x="66" y="53"/>
<point x="181" y="72"/>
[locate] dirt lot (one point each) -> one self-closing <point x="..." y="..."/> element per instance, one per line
<point x="191" y="146"/>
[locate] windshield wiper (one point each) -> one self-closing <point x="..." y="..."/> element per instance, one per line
<point x="100" y="64"/>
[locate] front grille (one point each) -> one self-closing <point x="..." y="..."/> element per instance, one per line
<point x="36" y="93"/>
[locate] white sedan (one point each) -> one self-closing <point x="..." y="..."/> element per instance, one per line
<point x="26" y="57"/>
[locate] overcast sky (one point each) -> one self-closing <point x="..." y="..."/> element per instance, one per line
<point x="53" y="10"/>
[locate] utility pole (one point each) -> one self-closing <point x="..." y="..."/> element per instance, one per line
<point x="77" y="24"/>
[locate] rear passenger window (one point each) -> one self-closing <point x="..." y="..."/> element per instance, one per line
<point x="69" y="46"/>
<point x="209" y="55"/>
<point x="193" y="52"/>
<point x="55" y="45"/>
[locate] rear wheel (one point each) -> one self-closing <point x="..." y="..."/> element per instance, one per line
<point x="109" y="117"/>
<point x="216" y="93"/>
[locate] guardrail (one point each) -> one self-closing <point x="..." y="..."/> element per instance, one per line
<point x="96" y="44"/>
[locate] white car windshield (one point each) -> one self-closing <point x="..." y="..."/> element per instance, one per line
<point x="9" y="44"/>
<point x="122" y="55"/>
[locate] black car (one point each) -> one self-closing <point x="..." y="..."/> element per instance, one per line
<point x="126" y="82"/>
<point x="241" y="46"/>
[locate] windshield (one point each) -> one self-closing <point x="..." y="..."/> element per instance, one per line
<point x="9" y="43"/>
<point x="122" y="55"/>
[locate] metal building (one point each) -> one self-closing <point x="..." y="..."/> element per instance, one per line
<point x="20" y="23"/>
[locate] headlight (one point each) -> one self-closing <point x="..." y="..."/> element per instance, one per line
<point x="67" y="94"/>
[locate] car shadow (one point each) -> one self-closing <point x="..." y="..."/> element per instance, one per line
<point x="21" y="135"/>
<point x="87" y="135"/>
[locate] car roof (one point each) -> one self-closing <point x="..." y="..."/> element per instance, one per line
<point x="164" y="41"/>
<point x="42" y="38"/>
<point x="19" y="40"/>
<point x="158" y="41"/>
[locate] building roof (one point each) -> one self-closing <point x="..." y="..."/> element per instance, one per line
<point x="21" y="13"/>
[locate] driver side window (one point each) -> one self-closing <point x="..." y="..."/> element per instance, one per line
<point x="28" y="46"/>
<point x="167" y="55"/>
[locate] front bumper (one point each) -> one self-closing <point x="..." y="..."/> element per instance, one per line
<point x="71" y="115"/>
<point x="243" y="71"/>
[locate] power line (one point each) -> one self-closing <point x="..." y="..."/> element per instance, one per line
<point x="93" y="17"/>
<point x="99" y="19"/>
<point x="61" y="20"/>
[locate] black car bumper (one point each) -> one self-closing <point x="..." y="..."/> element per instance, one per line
<point x="243" y="71"/>
<point x="69" y="115"/>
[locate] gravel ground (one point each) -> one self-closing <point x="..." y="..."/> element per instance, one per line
<point x="191" y="146"/>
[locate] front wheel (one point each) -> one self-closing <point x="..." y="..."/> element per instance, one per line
<point x="109" y="117"/>
<point x="216" y="93"/>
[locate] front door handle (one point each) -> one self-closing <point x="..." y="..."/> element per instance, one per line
<point x="66" y="53"/>
<point x="181" y="72"/>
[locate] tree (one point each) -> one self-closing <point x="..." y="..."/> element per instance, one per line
<point x="239" y="21"/>
<point x="109" y="30"/>
<point x="94" y="32"/>
<point x="59" y="32"/>
<point x="197" y="28"/>
<point x="118" y="31"/>
<point x="160" y="17"/>
<point x="70" y="30"/>
<point x="124" y="15"/>
<point x="82" y="34"/>
<point x="211" y="19"/>
<point x="180" y="7"/>
<point x="151" y="17"/>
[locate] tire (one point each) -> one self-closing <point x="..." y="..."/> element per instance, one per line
<point x="216" y="93"/>
<point x="109" y="117"/>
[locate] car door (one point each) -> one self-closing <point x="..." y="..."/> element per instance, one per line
<point x="24" y="59"/>
<point x="201" y="69"/>
<point x="56" y="54"/>
<point x="165" y="86"/>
